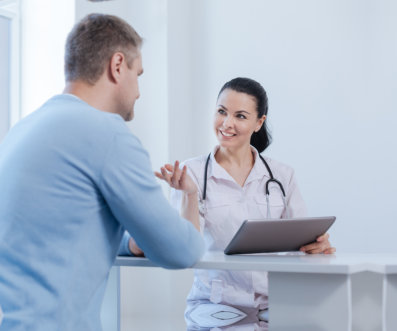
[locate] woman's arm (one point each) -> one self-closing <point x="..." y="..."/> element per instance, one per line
<point x="189" y="208"/>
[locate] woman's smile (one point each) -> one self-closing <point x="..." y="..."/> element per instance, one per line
<point x="227" y="134"/>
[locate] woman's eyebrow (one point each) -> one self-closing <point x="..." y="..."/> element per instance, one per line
<point x="238" y="111"/>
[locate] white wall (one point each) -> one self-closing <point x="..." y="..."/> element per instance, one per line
<point x="44" y="27"/>
<point x="4" y="75"/>
<point x="330" y="72"/>
<point x="10" y="64"/>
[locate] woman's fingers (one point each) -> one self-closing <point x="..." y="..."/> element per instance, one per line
<point x="317" y="250"/>
<point x="330" y="250"/>
<point x="322" y="245"/>
<point x="176" y="175"/>
<point x="314" y="248"/>
<point x="323" y="237"/>
<point x="182" y="178"/>
<point x="158" y="175"/>
<point x="309" y="247"/>
<point x="166" y="175"/>
<point x="171" y="174"/>
<point x="183" y="173"/>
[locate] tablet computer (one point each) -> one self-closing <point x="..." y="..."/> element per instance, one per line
<point x="277" y="235"/>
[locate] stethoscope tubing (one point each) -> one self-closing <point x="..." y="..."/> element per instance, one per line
<point x="267" y="192"/>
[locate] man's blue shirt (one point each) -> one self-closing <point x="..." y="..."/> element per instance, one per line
<point x="72" y="179"/>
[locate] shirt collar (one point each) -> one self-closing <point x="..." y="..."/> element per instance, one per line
<point x="214" y="168"/>
<point x="257" y="172"/>
<point x="259" y="169"/>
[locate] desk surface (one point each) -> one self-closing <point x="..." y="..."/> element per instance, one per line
<point x="341" y="263"/>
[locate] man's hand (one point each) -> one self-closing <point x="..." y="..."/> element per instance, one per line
<point x="134" y="248"/>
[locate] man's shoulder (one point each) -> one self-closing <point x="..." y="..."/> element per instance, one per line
<point x="69" y="108"/>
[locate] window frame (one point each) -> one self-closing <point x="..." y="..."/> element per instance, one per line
<point x="10" y="9"/>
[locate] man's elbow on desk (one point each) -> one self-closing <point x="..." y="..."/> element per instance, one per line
<point x="173" y="256"/>
<point x="179" y="255"/>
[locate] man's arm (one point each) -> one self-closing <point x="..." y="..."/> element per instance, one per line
<point x="129" y="247"/>
<point x="136" y="200"/>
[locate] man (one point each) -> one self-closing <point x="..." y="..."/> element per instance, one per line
<point x="72" y="178"/>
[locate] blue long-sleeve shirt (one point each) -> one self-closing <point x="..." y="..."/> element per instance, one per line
<point x="72" y="178"/>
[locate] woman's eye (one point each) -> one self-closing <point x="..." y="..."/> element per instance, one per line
<point x="221" y="111"/>
<point x="241" y="116"/>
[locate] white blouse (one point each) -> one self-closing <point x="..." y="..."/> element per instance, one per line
<point x="226" y="206"/>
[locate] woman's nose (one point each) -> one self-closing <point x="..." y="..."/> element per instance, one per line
<point x="227" y="122"/>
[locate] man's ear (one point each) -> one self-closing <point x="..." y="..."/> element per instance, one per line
<point x="115" y="66"/>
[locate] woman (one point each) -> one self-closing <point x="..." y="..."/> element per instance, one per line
<point x="235" y="186"/>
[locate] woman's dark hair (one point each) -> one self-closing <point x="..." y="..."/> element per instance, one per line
<point x="261" y="139"/>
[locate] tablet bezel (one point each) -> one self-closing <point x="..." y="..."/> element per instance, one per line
<point x="277" y="235"/>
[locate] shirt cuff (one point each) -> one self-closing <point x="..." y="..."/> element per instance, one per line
<point x="124" y="249"/>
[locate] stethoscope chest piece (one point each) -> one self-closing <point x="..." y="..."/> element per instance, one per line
<point x="202" y="207"/>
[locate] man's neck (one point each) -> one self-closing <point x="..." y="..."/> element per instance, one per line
<point x="96" y="95"/>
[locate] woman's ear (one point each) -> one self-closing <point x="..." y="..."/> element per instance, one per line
<point x="260" y="123"/>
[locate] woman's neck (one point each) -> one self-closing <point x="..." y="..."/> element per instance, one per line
<point x="237" y="162"/>
<point x="238" y="157"/>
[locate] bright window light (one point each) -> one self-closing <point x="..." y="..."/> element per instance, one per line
<point x="45" y="25"/>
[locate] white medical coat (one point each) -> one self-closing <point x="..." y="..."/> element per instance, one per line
<point x="226" y="206"/>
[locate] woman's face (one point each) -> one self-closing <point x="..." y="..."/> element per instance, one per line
<point x="236" y="119"/>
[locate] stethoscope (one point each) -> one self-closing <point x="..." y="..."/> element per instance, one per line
<point x="271" y="180"/>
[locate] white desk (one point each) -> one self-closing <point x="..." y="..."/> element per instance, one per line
<point x="386" y="266"/>
<point x="306" y="292"/>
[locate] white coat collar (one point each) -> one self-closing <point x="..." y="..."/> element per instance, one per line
<point x="215" y="170"/>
